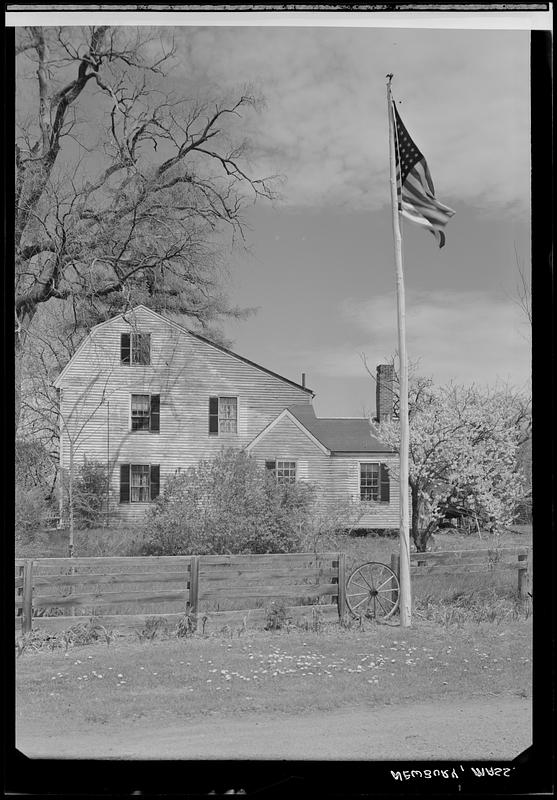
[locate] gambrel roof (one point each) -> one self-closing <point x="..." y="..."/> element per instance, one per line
<point x="183" y="329"/>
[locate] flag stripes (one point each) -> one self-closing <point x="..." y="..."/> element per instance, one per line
<point x="416" y="193"/>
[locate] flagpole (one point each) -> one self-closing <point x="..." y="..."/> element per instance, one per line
<point x="404" y="533"/>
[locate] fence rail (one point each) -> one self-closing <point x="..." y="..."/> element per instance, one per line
<point x="471" y="562"/>
<point x="197" y="583"/>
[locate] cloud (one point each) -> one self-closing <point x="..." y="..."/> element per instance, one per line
<point x="467" y="337"/>
<point x="325" y="123"/>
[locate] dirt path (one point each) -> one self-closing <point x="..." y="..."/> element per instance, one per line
<point x="483" y="728"/>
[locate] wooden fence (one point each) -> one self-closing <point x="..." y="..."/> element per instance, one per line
<point x="204" y="585"/>
<point x="471" y="562"/>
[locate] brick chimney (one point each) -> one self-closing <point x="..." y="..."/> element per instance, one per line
<point x="384" y="392"/>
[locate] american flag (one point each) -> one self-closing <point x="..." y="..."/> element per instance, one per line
<point x="416" y="195"/>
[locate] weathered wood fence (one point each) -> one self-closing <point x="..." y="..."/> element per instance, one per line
<point x="471" y="562"/>
<point x="204" y="585"/>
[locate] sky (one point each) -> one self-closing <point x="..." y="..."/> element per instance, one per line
<point x="320" y="266"/>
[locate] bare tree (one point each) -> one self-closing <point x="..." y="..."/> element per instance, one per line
<point x="122" y="188"/>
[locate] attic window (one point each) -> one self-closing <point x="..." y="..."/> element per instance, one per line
<point x="374" y="482"/>
<point x="135" y="348"/>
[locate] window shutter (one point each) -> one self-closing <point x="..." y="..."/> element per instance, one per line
<point x="302" y="470"/>
<point x="125" y="348"/>
<point x="213" y="415"/>
<point x="270" y="465"/>
<point x="124" y="483"/>
<point x="155" y="480"/>
<point x="155" y="412"/>
<point x="385" y="484"/>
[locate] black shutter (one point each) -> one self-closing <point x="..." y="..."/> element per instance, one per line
<point x="385" y="484"/>
<point x="155" y="413"/>
<point x="125" y="348"/>
<point x="213" y="415"/>
<point x="271" y="465"/>
<point x="124" y="483"/>
<point x="155" y="480"/>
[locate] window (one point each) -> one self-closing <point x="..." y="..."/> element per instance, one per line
<point x="139" y="483"/>
<point x="374" y="482"/>
<point x="223" y="415"/>
<point x="145" y="412"/>
<point x="135" y="348"/>
<point x="285" y="471"/>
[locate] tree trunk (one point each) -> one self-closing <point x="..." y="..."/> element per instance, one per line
<point x="23" y="322"/>
<point x="70" y="504"/>
<point x="420" y="535"/>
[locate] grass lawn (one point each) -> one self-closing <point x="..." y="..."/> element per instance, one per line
<point x="123" y="541"/>
<point x="280" y="672"/>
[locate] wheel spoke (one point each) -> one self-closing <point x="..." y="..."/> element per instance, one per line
<point x="381" y="605"/>
<point x="362" y="596"/>
<point x="385" y="599"/>
<point x="353" y="580"/>
<point x="361" y="574"/>
<point x="359" y="604"/>
<point x="384" y="582"/>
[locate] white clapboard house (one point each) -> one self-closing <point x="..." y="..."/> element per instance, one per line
<point x="148" y="397"/>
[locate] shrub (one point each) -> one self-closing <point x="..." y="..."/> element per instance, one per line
<point x="33" y="465"/>
<point x="89" y="494"/>
<point x="275" y="616"/>
<point x="329" y="523"/>
<point x="227" y="505"/>
<point x="30" y="509"/>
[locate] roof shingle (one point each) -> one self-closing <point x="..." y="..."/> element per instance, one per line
<point x="337" y="434"/>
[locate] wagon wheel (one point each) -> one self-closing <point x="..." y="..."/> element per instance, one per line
<point x="372" y="590"/>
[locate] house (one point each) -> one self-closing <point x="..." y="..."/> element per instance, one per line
<point x="148" y="397"/>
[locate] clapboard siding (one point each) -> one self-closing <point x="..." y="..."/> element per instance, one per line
<point x="287" y="442"/>
<point x="96" y="392"/>
<point x="345" y="480"/>
<point x="336" y="478"/>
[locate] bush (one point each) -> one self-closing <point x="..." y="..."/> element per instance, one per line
<point x="30" y="509"/>
<point x="33" y="465"/>
<point x="227" y="505"/>
<point x="89" y="494"/>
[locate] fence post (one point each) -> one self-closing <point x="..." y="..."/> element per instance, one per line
<point x="341" y="599"/>
<point x="522" y="575"/>
<point x="395" y="566"/>
<point x="27" y="618"/>
<point x="194" y="584"/>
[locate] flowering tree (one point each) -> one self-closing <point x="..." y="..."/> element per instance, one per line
<point x="464" y="445"/>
